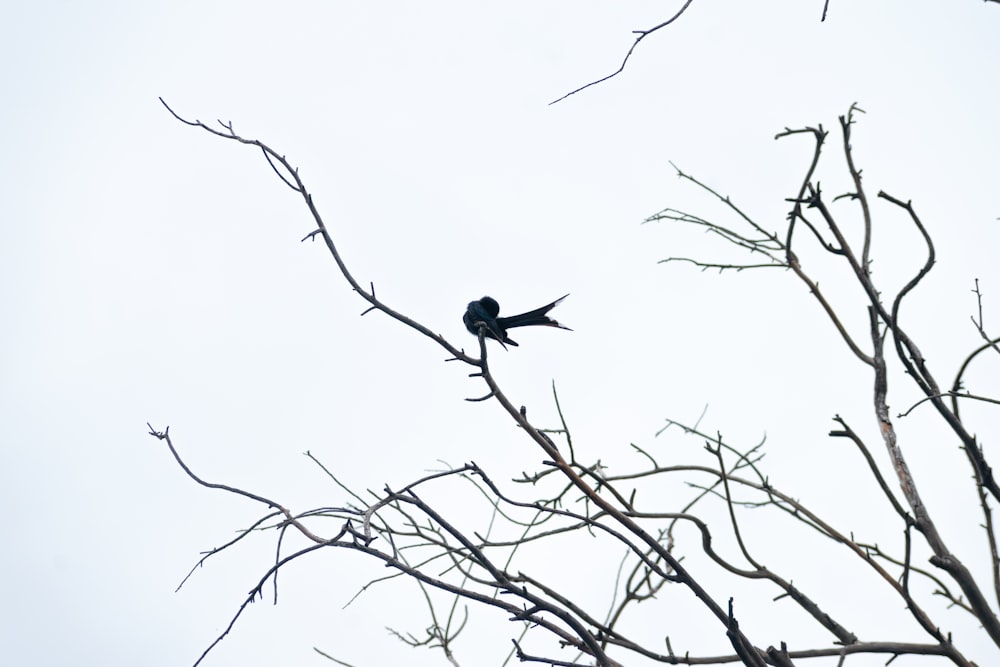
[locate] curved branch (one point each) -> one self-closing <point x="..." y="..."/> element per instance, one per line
<point x="957" y="384"/>
<point x="621" y="68"/>
<point x="296" y="184"/>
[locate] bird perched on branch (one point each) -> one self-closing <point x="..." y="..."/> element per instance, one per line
<point x="487" y="310"/>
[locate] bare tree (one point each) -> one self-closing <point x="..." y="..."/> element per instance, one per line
<point x="575" y="502"/>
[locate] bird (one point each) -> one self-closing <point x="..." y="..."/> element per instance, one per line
<point x="487" y="311"/>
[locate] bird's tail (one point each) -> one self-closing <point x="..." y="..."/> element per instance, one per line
<point x="536" y="317"/>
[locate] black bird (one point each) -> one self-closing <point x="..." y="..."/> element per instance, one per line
<point x="486" y="310"/>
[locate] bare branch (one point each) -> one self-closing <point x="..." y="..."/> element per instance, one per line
<point x="292" y="179"/>
<point x="621" y="68"/>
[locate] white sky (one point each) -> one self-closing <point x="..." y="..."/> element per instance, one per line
<point x="150" y="272"/>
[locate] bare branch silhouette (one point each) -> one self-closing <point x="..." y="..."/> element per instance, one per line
<point x="564" y="498"/>
<point x="642" y="34"/>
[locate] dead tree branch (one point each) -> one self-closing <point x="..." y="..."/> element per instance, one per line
<point x="484" y="567"/>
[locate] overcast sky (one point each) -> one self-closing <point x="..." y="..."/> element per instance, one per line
<point x="152" y="272"/>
